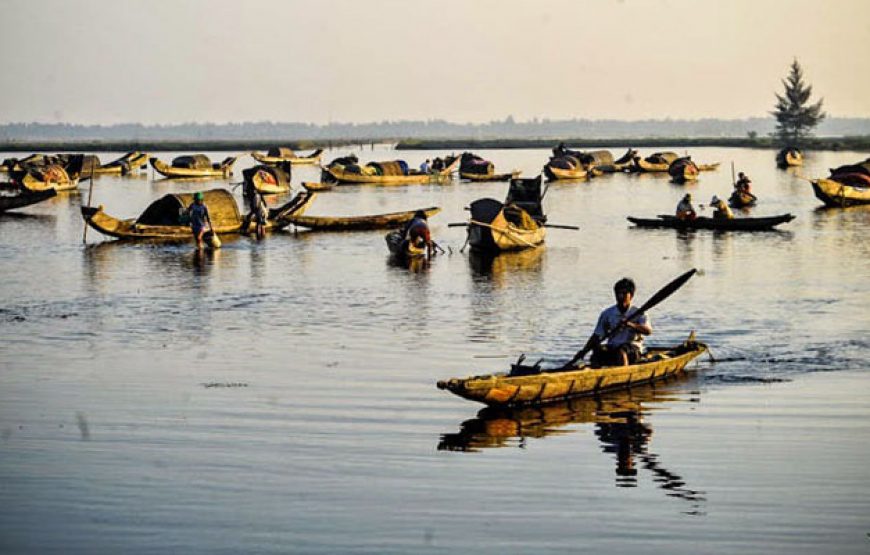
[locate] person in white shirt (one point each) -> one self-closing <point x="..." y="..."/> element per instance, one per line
<point x="625" y="344"/>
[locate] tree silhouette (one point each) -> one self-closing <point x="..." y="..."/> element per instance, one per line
<point x="795" y="120"/>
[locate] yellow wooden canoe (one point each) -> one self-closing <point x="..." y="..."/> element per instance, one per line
<point x="359" y="223"/>
<point x="506" y="390"/>
<point x="52" y="176"/>
<point x="129" y="163"/>
<point x="317" y="186"/>
<point x="340" y="175"/>
<point x="482" y="177"/>
<point x="682" y="170"/>
<point x="203" y="167"/>
<point x="284" y="154"/>
<point x="658" y="162"/>
<point x="553" y="173"/>
<point x="162" y="219"/>
<point x="708" y="167"/>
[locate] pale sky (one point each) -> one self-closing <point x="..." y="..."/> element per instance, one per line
<point x="320" y="61"/>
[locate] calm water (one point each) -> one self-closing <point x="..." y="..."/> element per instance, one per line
<point x="279" y="396"/>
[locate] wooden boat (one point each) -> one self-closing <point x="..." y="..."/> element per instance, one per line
<point x="554" y="172"/>
<point x="518" y="223"/>
<point x="15" y="164"/>
<point x="129" y="163"/>
<point x="789" y="156"/>
<point x="267" y="180"/>
<point x="197" y="165"/>
<point x="50" y="176"/>
<point x="163" y="218"/>
<point x="658" y="162"/>
<point x="476" y="177"/>
<point x="735" y="224"/>
<point x="529" y="385"/>
<point x="708" y="167"/>
<point x="740" y="199"/>
<point x="624" y="163"/>
<point x="682" y="170"/>
<point x="317" y="186"/>
<point x="474" y="168"/>
<point x="359" y="223"/>
<point x="497" y="426"/>
<point x="402" y="248"/>
<point x="836" y="191"/>
<point x="24" y="197"/>
<point x="393" y="172"/>
<point x="284" y="154"/>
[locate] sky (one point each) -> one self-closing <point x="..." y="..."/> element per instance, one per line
<point x="322" y="61"/>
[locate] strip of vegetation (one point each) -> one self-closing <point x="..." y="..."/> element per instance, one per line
<point x="812" y="143"/>
<point x="90" y="145"/>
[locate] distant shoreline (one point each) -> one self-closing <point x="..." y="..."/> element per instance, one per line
<point x="816" y="143"/>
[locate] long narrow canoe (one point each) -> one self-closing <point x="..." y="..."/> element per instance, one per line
<point x="480" y="177"/>
<point x="223" y="169"/>
<point x="276" y="156"/>
<point x="736" y="224"/>
<point x="317" y="186"/>
<point x="560" y="174"/>
<point x="161" y="220"/>
<point x="24" y="198"/>
<point x="358" y="223"/>
<point x="126" y="164"/>
<point x="834" y="193"/>
<point x="658" y="162"/>
<point x="339" y="175"/>
<point x="503" y="389"/>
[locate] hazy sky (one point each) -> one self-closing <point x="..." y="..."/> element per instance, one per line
<point x="175" y="61"/>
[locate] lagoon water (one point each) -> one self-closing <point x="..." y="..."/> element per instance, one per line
<point x="279" y="396"/>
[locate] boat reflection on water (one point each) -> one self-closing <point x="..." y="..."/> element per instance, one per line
<point x="619" y="427"/>
<point x="496" y="264"/>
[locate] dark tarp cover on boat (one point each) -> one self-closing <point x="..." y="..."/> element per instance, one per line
<point x="274" y="175"/>
<point x="564" y="163"/>
<point x="192" y="162"/>
<point x="860" y="167"/>
<point x="281" y="151"/>
<point x="222" y="209"/>
<point x="662" y="157"/>
<point x="90" y="163"/>
<point x="471" y="163"/>
<point x="393" y="167"/>
<point x="526" y="193"/>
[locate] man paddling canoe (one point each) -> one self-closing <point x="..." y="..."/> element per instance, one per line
<point x="624" y="337"/>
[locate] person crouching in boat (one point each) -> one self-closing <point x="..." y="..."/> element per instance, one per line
<point x="685" y="210"/>
<point x="721" y="211"/>
<point x="200" y="222"/>
<point x="625" y="345"/>
<point x="417" y="233"/>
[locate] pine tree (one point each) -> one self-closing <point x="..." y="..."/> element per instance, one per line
<point x="794" y="119"/>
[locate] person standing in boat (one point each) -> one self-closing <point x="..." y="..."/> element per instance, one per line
<point x="744" y="184"/>
<point x="417" y="232"/>
<point x="200" y="222"/>
<point x="258" y="209"/>
<point x="625" y="344"/>
<point x="685" y="210"/>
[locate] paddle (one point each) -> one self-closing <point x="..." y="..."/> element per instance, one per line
<point x="90" y="197"/>
<point x="660" y="295"/>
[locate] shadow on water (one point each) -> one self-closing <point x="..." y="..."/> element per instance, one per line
<point x="495" y="266"/>
<point x="618" y="421"/>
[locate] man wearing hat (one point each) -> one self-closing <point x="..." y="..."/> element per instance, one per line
<point x="685" y="210"/>
<point x="721" y="211"/>
<point x="199" y="218"/>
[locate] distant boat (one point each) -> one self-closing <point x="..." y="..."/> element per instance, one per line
<point x="788" y="157"/>
<point x="196" y="165"/>
<point x="359" y="223"/>
<point x="657" y="162"/>
<point x="284" y="154"/>
<point x="516" y="224"/>
<point x="683" y="169"/>
<point x="23" y="197"/>
<point x="394" y="172"/>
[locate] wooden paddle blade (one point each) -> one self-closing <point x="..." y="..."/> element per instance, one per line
<point x="667" y="291"/>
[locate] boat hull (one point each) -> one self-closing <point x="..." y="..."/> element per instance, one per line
<point x="25" y="198"/>
<point x="547" y="387"/>
<point x="836" y="194"/>
<point x="222" y="170"/>
<point x="477" y="177"/>
<point x="716" y="224"/>
<point x="342" y="177"/>
<point x="358" y="223"/>
<point x="561" y="174"/>
<point x="312" y="158"/>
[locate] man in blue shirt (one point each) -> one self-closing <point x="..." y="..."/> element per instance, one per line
<point x="625" y="344"/>
<point x="200" y="222"/>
